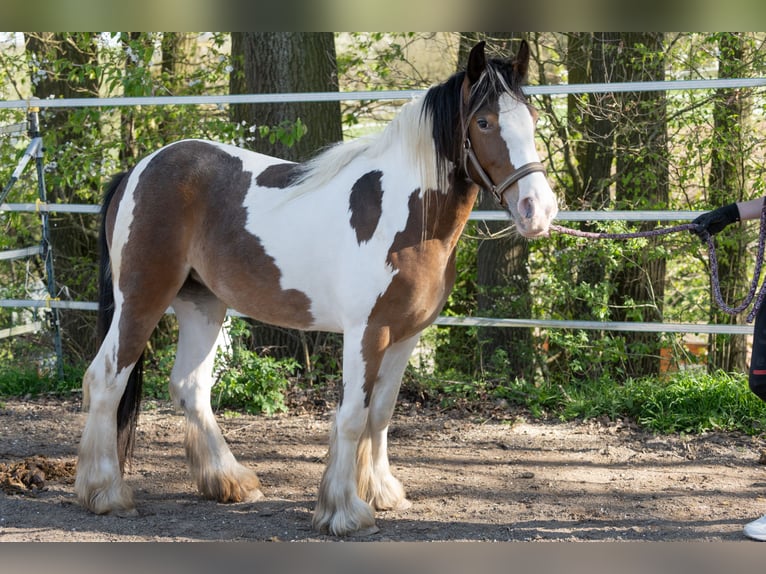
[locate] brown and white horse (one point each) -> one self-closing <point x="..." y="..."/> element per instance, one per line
<point x="361" y="240"/>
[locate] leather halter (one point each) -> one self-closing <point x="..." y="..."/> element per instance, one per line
<point x="486" y="182"/>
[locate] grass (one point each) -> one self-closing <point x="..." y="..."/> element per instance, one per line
<point x="684" y="402"/>
<point x="18" y="381"/>
<point x="246" y="381"/>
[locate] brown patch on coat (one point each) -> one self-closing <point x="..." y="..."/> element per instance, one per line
<point x="424" y="256"/>
<point x="366" y="205"/>
<point x="280" y="175"/>
<point x="189" y="220"/>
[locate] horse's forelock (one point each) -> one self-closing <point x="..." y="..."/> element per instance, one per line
<point x="442" y="105"/>
<point x="497" y="79"/>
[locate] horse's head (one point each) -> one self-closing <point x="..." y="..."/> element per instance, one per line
<point x="499" y="146"/>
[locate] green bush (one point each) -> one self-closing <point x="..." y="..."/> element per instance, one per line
<point x="254" y="383"/>
<point x="698" y="403"/>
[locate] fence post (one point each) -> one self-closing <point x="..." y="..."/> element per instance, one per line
<point x="47" y="252"/>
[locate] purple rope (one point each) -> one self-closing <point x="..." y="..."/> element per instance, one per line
<point x="713" y="259"/>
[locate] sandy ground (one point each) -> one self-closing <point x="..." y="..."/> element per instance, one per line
<point x="494" y="476"/>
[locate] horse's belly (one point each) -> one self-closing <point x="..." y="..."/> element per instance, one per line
<point x="316" y="305"/>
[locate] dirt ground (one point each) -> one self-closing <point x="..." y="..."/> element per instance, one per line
<point x="477" y="476"/>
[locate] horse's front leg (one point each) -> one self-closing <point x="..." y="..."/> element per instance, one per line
<point x="339" y="510"/>
<point x="376" y="483"/>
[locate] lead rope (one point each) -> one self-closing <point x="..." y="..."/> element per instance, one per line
<point x="713" y="259"/>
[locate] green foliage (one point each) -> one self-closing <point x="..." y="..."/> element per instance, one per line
<point x="244" y="379"/>
<point x="24" y="381"/>
<point x="256" y="384"/>
<point x="247" y="380"/>
<point x="457" y="348"/>
<point x="158" y="363"/>
<point x="287" y="132"/>
<point x="686" y="402"/>
<point x="698" y="403"/>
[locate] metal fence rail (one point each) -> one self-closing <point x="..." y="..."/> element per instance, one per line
<point x="233" y="99"/>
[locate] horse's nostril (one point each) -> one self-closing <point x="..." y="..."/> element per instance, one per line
<point x="526" y="208"/>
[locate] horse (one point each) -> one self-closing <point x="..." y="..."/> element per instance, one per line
<point x="359" y="240"/>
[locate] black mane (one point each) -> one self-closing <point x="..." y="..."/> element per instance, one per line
<point x="443" y="104"/>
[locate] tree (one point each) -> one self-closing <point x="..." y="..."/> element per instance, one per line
<point x="642" y="183"/>
<point x="586" y="135"/>
<point x="726" y="185"/>
<point x="286" y="62"/>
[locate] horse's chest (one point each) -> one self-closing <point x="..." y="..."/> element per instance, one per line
<point x="418" y="290"/>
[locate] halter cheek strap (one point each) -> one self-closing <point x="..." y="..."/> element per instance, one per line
<point x="486" y="182"/>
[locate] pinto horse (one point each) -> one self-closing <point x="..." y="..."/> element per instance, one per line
<point x="360" y="240"/>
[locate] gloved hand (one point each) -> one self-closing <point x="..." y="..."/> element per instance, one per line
<point x="714" y="221"/>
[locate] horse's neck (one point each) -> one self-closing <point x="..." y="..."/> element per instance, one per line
<point x="448" y="216"/>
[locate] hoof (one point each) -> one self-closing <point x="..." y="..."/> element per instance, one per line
<point x="354" y="518"/>
<point x="253" y="496"/>
<point x="115" y="498"/>
<point x="125" y="513"/>
<point x="403" y="504"/>
<point x="364" y="532"/>
<point x="239" y="484"/>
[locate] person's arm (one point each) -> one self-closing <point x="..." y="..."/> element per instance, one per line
<point x="750" y="209"/>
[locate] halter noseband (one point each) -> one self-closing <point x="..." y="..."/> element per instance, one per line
<point x="486" y="182"/>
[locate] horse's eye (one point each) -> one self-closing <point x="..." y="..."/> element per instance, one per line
<point x="482" y="123"/>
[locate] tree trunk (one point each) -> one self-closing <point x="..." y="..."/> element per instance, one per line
<point x="642" y="183"/>
<point x="595" y="154"/>
<point x="727" y="184"/>
<point x="588" y="140"/>
<point x="287" y="62"/>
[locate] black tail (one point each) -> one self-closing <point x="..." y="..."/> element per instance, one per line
<point x="130" y="403"/>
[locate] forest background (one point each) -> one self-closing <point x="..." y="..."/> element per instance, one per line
<point x="657" y="150"/>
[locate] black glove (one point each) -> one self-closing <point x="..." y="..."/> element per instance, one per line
<point x="714" y="221"/>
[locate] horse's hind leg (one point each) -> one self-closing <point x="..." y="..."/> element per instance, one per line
<point x="99" y="484"/>
<point x="376" y="483"/>
<point x="212" y="465"/>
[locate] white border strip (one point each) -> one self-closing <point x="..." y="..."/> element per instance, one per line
<point x="596" y="325"/>
<point x="21" y="330"/>
<point x="19" y="253"/>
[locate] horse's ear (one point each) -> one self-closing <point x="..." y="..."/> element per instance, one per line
<point x="521" y="63"/>
<point x="477" y="61"/>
